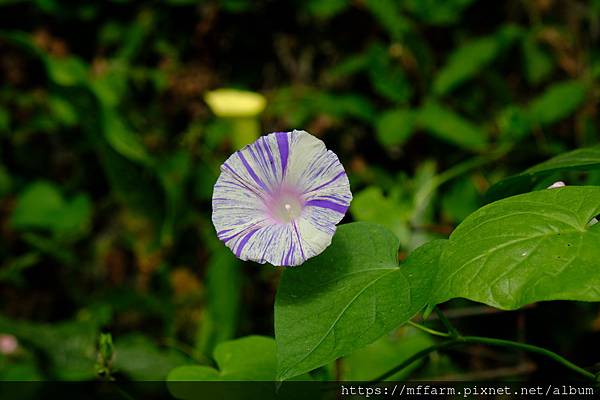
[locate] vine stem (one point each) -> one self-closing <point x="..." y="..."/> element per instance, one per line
<point x="492" y="342"/>
<point x="428" y="330"/>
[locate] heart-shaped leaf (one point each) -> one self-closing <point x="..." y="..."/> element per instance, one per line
<point x="536" y="246"/>
<point x="250" y="358"/>
<point x="348" y="297"/>
<point x="576" y="160"/>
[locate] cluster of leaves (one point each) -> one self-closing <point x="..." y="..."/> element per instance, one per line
<point x="108" y="154"/>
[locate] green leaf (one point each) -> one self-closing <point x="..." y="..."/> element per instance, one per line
<point x="63" y="110"/>
<point x="69" y="346"/>
<point x="6" y="181"/>
<point x="371" y="205"/>
<point x="384" y="354"/>
<point x="220" y="319"/>
<point x="533" y="247"/>
<point x="350" y="66"/>
<point x="461" y="200"/>
<point x="437" y="12"/>
<point x="122" y="139"/>
<point x="69" y="71"/>
<point x="42" y="206"/>
<point x="451" y="127"/>
<point x="174" y="171"/>
<point x="326" y="9"/>
<point x="349" y="296"/>
<point x="136" y="185"/>
<point x="386" y="75"/>
<point x="343" y="105"/>
<point x="558" y="102"/>
<point x="514" y="123"/>
<point x="250" y="358"/>
<point x="538" y="64"/>
<point x="395" y="127"/>
<point x="389" y="16"/>
<point x="4" y="120"/>
<point x="141" y="359"/>
<point x="585" y="159"/>
<point x="37" y="206"/>
<point x="299" y="105"/>
<point x="465" y="62"/>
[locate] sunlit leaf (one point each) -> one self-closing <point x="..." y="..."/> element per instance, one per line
<point x="349" y="296"/>
<point x="524" y="249"/>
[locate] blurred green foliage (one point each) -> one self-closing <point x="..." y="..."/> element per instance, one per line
<point x="108" y="154"/>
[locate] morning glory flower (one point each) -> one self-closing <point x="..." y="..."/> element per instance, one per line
<point x="278" y="200"/>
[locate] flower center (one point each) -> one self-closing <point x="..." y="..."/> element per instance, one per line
<point x="285" y="206"/>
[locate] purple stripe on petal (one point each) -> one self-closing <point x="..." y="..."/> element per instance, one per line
<point x="267" y="247"/>
<point x="244" y="240"/>
<point x="240" y="180"/>
<point x="289" y="254"/>
<point x="327" y="204"/>
<point x="259" y="223"/>
<point x="251" y="172"/>
<point x="284" y="149"/>
<point x="335" y="178"/>
<point x="299" y="241"/>
<point x="267" y="148"/>
<point x="260" y="159"/>
<point x="332" y="198"/>
<point x="225" y="240"/>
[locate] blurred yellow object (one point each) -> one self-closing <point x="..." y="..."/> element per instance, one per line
<point x="233" y="103"/>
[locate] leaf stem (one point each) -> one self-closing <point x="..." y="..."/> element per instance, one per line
<point x="492" y="342"/>
<point x="428" y="330"/>
<point x="453" y="332"/>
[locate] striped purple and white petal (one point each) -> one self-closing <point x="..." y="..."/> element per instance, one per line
<point x="278" y="200"/>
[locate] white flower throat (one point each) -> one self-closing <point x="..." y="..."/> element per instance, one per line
<point x="286" y="207"/>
